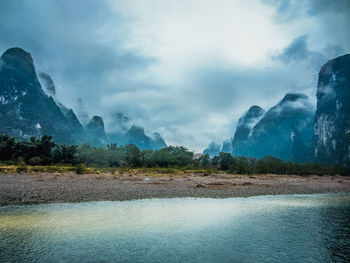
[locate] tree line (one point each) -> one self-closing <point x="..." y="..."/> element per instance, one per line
<point x="45" y="151"/>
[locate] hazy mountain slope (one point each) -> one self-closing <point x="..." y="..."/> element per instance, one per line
<point x="95" y="129"/>
<point x="213" y="149"/>
<point x="275" y="133"/>
<point x="332" y="123"/>
<point x="25" y="109"/>
<point x="244" y="130"/>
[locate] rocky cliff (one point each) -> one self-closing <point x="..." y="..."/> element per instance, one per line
<point x="332" y="121"/>
<point x="25" y="109"/>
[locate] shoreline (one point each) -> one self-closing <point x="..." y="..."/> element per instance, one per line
<point x="25" y="188"/>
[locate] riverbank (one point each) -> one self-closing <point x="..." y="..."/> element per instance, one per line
<point x="28" y="188"/>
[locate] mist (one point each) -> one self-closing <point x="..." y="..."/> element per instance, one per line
<point x="185" y="69"/>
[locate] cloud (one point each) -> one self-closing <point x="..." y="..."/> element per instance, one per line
<point x="324" y="20"/>
<point x="47" y="84"/>
<point x="293" y="9"/>
<point x="324" y="6"/>
<point x="297" y="50"/>
<point x="187" y="69"/>
<point x="77" y="42"/>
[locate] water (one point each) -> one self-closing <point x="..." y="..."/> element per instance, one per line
<point x="294" y="228"/>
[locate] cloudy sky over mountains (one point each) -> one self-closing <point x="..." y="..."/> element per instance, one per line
<point x="185" y="68"/>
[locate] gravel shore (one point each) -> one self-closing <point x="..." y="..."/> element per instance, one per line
<point x="69" y="187"/>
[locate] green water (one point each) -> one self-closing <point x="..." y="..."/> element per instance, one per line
<point x="294" y="228"/>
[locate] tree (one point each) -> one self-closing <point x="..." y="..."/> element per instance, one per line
<point x="133" y="155"/>
<point x="215" y="161"/>
<point x="66" y="154"/>
<point x="85" y="154"/>
<point x="7" y="147"/>
<point x="164" y="158"/>
<point x="112" y="147"/>
<point x="205" y="160"/>
<point x="226" y="161"/>
<point x="181" y="156"/>
<point x="44" y="148"/>
<point x="148" y="158"/>
<point x="244" y="165"/>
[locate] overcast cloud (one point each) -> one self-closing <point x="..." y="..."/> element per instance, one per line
<point x="187" y="69"/>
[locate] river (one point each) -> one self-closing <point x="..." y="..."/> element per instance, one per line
<point x="289" y="228"/>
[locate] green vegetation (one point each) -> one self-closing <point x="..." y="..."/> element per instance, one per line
<point x="45" y="155"/>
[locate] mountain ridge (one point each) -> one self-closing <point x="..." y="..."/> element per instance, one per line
<point x="30" y="108"/>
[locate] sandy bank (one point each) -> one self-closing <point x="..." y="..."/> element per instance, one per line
<point x="70" y="187"/>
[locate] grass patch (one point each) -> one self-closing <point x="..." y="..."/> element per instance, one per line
<point x="46" y="169"/>
<point x="161" y="171"/>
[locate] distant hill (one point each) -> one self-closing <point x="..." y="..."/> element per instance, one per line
<point x="293" y="130"/>
<point x="29" y="107"/>
<point x="284" y="131"/>
<point x="25" y="109"/>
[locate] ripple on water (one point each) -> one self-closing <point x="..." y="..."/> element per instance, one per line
<point x="295" y="228"/>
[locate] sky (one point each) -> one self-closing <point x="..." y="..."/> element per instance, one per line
<point x="187" y="69"/>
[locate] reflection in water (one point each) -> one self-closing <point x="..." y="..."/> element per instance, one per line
<point x="296" y="228"/>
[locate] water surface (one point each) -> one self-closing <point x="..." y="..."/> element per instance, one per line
<point x="294" y="228"/>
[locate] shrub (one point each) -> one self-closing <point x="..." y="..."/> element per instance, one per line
<point x="35" y="161"/>
<point x="21" y="168"/>
<point x="80" y="169"/>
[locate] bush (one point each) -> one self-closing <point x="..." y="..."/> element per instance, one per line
<point x="80" y="169"/>
<point x="35" y="161"/>
<point x="21" y="168"/>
